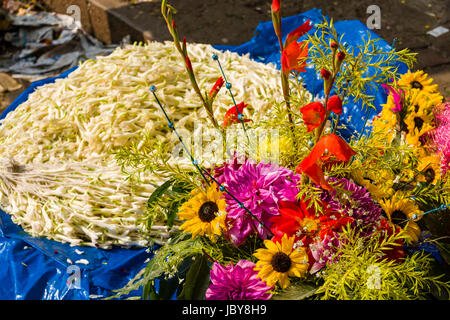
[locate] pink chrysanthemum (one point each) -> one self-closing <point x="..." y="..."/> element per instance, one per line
<point x="441" y="135"/>
<point x="259" y="187"/>
<point x="237" y="282"/>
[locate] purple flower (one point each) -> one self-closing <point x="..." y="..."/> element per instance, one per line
<point x="259" y="187"/>
<point x="323" y="251"/>
<point x="398" y="97"/>
<point x="357" y="204"/>
<point x="237" y="282"/>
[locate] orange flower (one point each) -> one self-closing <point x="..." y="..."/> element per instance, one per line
<point x="297" y="33"/>
<point x="291" y="56"/>
<point x="312" y="164"/>
<point x="296" y="219"/>
<point x="313" y="115"/>
<point x="232" y="115"/>
<point x="335" y="104"/>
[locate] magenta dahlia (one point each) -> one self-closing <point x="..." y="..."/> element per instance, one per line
<point x="259" y="186"/>
<point x="237" y="282"/>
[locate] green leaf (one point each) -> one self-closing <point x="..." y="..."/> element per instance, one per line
<point x="172" y="213"/>
<point x="297" y="291"/>
<point x="197" y="280"/>
<point x="167" y="288"/>
<point x="149" y="291"/>
<point x="160" y="191"/>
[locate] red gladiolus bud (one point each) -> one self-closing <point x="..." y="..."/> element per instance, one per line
<point x="173" y="24"/>
<point x="341" y="56"/>
<point x="325" y="74"/>
<point x="216" y="88"/>
<point x="335" y="104"/>
<point x="188" y="63"/>
<point x="276" y="6"/>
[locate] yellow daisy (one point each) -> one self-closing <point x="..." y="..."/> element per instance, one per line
<point x="417" y="81"/>
<point x="430" y="169"/>
<point x="403" y="212"/>
<point x="280" y="261"/>
<point x="204" y="213"/>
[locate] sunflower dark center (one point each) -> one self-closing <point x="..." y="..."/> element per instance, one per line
<point x="418" y="122"/>
<point x="398" y="217"/>
<point x="281" y="262"/>
<point x="429" y="175"/>
<point x="416" y="108"/>
<point x="416" y="85"/>
<point x="207" y="211"/>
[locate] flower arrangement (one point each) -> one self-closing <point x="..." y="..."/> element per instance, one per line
<point x="334" y="218"/>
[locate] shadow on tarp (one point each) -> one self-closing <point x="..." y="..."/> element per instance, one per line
<point x="36" y="268"/>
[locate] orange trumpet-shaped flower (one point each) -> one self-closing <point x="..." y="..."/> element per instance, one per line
<point x="297" y="33"/>
<point x="216" y="88"/>
<point x="232" y="115"/>
<point x="330" y="145"/>
<point x="313" y="115"/>
<point x="293" y="57"/>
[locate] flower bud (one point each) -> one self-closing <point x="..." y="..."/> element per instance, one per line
<point x="325" y="74"/>
<point x="335" y="104"/>
<point x="276" y="6"/>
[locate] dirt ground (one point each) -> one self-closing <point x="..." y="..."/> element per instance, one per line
<point x="234" y="21"/>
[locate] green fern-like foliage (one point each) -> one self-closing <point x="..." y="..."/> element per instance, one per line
<point x="362" y="273"/>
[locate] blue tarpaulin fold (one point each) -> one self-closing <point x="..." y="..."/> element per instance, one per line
<point x="38" y="268"/>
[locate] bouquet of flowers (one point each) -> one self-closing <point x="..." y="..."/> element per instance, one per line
<point x="325" y="217"/>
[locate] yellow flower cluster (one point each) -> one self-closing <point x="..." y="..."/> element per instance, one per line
<point x="412" y="124"/>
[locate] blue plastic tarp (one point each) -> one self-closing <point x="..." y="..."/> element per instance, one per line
<point x="37" y="268"/>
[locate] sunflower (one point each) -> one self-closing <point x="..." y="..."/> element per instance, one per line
<point x="403" y="212"/>
<point x="418" y="81"/>
<point x="280" y="261"/>
<point x="423" y="102"/>
<point x="417" y="121"/>
<point x="204" y="213"/>
<point x="378" y="183"/>
<point x="418" y="135"/>
<point x="430" y="169"/>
